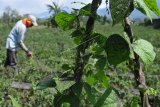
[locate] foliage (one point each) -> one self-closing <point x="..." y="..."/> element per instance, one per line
<point x="64" y="20"/>
<point x="151" y="91"/>
<point x="46" y="61"/>
<point x="134" y="102"/>
<point x="152" y="5"/>
<point x="120" y="8"/>
<point x="117" y="49"/>
<point x="145" y="50"/>
<point x="141" y="6"/>
<point x="45" y="84"/>
<point x="54" y="8"/>
<point x="108" y="99"/>
<point x="14" y="102"/>
<point x="85" y="10"/>
<point x="10" y="15"/>
<point x="52" y="57"/>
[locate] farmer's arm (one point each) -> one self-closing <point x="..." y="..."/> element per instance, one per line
<point x="28" y="52"/>
<point x="23" y="46"/>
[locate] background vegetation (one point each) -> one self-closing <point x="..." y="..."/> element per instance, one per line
<point x="53" y="47"/>
<point x="54" y="58"/>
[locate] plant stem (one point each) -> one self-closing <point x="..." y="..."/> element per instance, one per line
<point x="82" y="56"/>
<point x="138" y="73"/>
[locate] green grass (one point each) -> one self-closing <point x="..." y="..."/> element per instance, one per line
<point x="53" y="47"/>
<point x="46" y="45"/>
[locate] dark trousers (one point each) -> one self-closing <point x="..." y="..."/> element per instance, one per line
<point x="11" y="59"/>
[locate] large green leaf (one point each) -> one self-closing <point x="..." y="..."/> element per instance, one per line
<point x="152" y="5"/>
<point x="141" y="6"/>
<point x="70" y="95"/>
<point x="145" y="50"/>
<point x="14" y="102"/>
<point x="117" y="49"/>
<point x="46" y="83"/>
<point x="86" y="10"/>
<point x="63" y="85"/>
<point x="120" y="9"/>
<point x="64" y="20"/>
<point x="108" y="99"/>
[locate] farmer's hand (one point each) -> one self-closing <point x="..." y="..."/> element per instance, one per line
<point x="29" y="53"/>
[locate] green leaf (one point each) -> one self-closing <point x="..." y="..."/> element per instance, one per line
<point x="63" y="85"/>
<point x="66" y="97"/>
<point x="99" y="39"/>
<point x="96" y="49"/>
<point x="66" y="67"/>
<point x="108" y="99"/>
<point x="145" y="51"/>
<point x="152" y="5"/>
<point x="101" y="76"/>
<point x="77" y="40"/>
<point x="14" y="102"/>
<point x="78" y="35"/>
<point x="70" y="95"/>
<point x="64" y="20"/>
<point x="117" y="49"/>
<point x="142" y="7"/>
<point x="86" y="10"/>
<point x="120" y="9"/>
<point x="90" y="79"/>
<point x="130" y="46"/>
<point x="78" y="32"/>
<point x="90" y="95"/>
<point x="134" y="102"/>
<point x="77" y="88"/>
<point x="46" y="83"/>
<point x="100" y="64"/>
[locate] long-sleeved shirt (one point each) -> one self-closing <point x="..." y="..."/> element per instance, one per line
<point x="16" y="36"/>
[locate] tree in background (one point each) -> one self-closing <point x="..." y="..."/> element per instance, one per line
<point x="15" y="16"/>
<point x="10" y="15"/>
<point x="6" y="15"/>
<point x="54" y="8"/>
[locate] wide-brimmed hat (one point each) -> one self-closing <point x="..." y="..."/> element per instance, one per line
<point x="33" y="19"/>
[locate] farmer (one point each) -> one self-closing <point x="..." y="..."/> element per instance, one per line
<point x="15" y="40"/>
